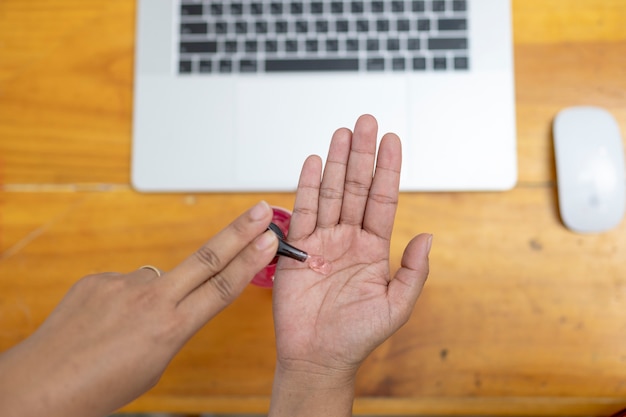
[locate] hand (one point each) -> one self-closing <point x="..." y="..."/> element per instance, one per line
<point x="326" y="325"/>
<point x="112" y="336"/>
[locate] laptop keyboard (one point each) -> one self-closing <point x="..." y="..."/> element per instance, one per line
<point x="218" y="37"/>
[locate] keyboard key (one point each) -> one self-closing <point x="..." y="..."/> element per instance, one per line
<point x="452" y="24"/>
<point x="437" y="44"/>
<point x="439" y="63"/>
<point x="191" y="9"/>
<point x="413" y="44"/>
<point x="317" y="7"/>
<point x="230" y="46"/>
<point x="372" y="45"/>
<point x="236" y="9"/>
<point x="205" y="66"/>
<point x="393" y="44"/>
<point x="261" y="27"/>
<point x="461" y="63"/>
<point x="352" y="45"/>
<point x="397" y="6"/>
<point x="311" y="45"/>
<point x="398" y="64"/>
<point x="459" y="5"/>
<point x="221" y="27"/>
<point x="375" y="64"/>
<point x="194" y="28"/>
<point x="382" y="25"/>
<point x="438" y="6"/>
<point x="302" y="26"/>
<point x="362" y="26"/>
<point x="423" y="25"/>
<point x="241" y="27"/>
<point x="342" y="26"/>
<point x="296" y="7"/>
<point x="217" y="9"/>
<point x="403" y="25"/>
<point x="251" y="46"/>
<point x="256" y="8"/>
<point x="271" y="45"/>
<point x="185" y="66"/>
<point x="276" y="8"/>
<point x="419" y="63"/>
<point x="332" y="45"/>
<point x="378" y="7"/>
<point x="339" y="64"/>
<point x="226" y="65"/>
<point x="281" y="26"/>
<point x="418" y="6"/>
<point x="321" y="26"/>
<point x="247" y="65"/>
<point x="189" y="47"/>
<point x="291" y="45"/>
<point x="357" y="7"/>
<point x="336" y="7"/>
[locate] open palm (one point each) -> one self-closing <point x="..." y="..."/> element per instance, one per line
<point x="333" y="320"/>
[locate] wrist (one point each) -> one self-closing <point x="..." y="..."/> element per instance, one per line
<point x="305" y="389"/>
<point x="312" y="376"/>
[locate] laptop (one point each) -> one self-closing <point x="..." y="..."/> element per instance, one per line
<point x="234" y="95"/>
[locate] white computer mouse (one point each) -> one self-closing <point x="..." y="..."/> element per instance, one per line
<point x="590" y="169"/>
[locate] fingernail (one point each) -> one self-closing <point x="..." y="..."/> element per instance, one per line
<point x="258" y="212"/>
<point x="266" y="240"/>
<point x="429" y="244"/>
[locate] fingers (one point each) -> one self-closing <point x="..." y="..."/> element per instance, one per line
<point x="350" y="191"/>
<point x="359" y="171"/>
<point x="333" y="182"/>
<point x="219" y="251"/>
<point x="408" y="282"/>
<point x="382" y="201"/>
<point x="225" y="286"/>
<point x="305" y="210"/>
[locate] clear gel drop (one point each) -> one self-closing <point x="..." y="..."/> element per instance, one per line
<point x="319" y="264"/>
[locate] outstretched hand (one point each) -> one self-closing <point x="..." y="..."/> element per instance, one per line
<point x="327" y="324"/>
<point x="112" y="336"/>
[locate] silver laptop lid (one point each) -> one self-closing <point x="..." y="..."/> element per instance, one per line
<point x="222" y="87"/>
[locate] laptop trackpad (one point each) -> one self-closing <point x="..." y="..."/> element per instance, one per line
<point x="282" y="120"/>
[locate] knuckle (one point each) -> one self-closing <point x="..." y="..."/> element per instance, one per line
<point x="331" y="193"/>
<point x="384" y="199"/>
<point x="304" y="211"/>
<point x="223" y="287"/>
<point x="207" y="257"/>
<point x="357" y="188"/>
<point x="96" y="283"/>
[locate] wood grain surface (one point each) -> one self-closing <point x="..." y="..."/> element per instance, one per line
<point x="519" y="316"/>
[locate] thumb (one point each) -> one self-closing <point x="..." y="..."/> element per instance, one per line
<point x="408" y="282"/>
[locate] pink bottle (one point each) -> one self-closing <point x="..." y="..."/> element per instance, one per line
<point x="265" y="277"/>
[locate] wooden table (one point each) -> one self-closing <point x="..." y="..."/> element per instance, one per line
<point x="519" y="317"/>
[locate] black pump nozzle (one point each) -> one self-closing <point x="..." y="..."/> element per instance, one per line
<point x="284" y="248"/>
